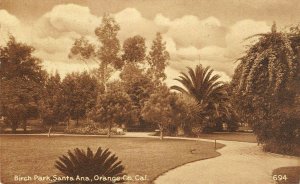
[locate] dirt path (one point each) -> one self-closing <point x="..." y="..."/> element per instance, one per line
<point x="240" y="162"/>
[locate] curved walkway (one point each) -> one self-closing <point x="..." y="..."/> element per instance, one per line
<point x="240" y="162"/>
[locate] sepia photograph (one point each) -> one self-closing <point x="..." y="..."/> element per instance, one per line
<point x="150" y="91"/>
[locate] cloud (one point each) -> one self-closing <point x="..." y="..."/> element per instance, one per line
<point x="189" y="40"/>
<point x="63" y="67"/>
<point x="67" y="18"/>
<point x="204" y="32"/>
<point x="8" y="20"/>
<point x="239" y="31"/>
<point x="173" y="71"/>
<point x="10" y="24"/>
<point x="213" y="56"/>
<point x="133" y="23"/>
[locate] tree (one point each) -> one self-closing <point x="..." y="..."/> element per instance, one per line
<point x="158" y="59"/>
<point x="138" y="86"/>
<point x="51" y="106"/>
<point x="158" y="109"/>
<point x="265" y="84"/>
<point x="21" y="82"/>
<point x="113" y="107"/>
<point x="107" y="54"/>
<point x="135" y="81"/>
<point x="134" y="49"/>
<point x="79" y="93"/>
<point x="187" y="113"/>
<point x="209" y="92"/>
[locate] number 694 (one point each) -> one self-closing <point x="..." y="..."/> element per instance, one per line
<point x="280" y="177"/>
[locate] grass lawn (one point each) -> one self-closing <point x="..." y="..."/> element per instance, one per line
<point x="230" y="136"/>
<point x="35" y="155"/>
<point x="292" y="174"/>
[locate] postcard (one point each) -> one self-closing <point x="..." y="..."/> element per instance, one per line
<point x="150" y="91"/>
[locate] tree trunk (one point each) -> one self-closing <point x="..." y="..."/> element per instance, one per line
<point x="25" y="125"/>
<point x="14" y="127"/>
<point x="161" y="132"/>
<point x="161" y="135"/>
<point x="109" y="131"/>
<point x="68" y="121"/>
<point x="49" y="132"/>
<point x="103" y="70"/>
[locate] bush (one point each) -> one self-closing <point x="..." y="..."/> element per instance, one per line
<point x="280" y="136"/>
<point x="86" y="164"/>
<point x="92" y="129"/>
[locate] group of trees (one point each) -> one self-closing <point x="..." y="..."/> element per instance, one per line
<point x="122" y="101"/>
<point x="70" y="98"/>
<point x="21" y="82"/>
<point x="139" y="96"/>
<point x="29" y="92"/>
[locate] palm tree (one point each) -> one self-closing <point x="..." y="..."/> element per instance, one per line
<point x="207" y="89"/>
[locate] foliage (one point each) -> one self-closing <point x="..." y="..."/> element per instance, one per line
<point x="106" y="54"/>
<point x="134" y="49"/>
<point x="113" y="107"/>
<point x="137" y="85"/>
<point x="21" y="82"/>
<point x="265" y="88"/>
<point x="82" y="49"/>
<point x="90" y="129"/>
<point x="79" y="93"/>
<point x="187" y="113"/>
<point x="135" y="81"/>
<point x="51" y="105"/>
<point x="158" y="58"/>
<point x="158" y="109"/>
<point x="107" y="35"/>
<point x="87" y="164"/>
<point x="209" y="92"/>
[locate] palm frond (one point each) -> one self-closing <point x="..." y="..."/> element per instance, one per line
<point x="87" y="164"/>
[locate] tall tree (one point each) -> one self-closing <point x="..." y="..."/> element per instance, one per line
<point x="79" y="93"/>
<point x="107" y="54"/>
<point x="158" y="58"/>
<point x="264" y="88"/>
<point x="207" y="89"/>
<point x="134" y="49"/>
<point x="113" y="107"/>
<point x="136" y="83"/>
<point x="158" y="109"/>
<point x="51" y="106"/>
<point x="21" y="82"/>
<point x="138" y="86"/>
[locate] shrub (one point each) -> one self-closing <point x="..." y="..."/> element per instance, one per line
<point x="81" y="164"/>
<point x="282" y="137"/>
<point x="91" y="129"/>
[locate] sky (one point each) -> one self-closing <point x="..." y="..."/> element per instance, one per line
<point x="211" y="33"/>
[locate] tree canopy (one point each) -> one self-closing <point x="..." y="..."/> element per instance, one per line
<point x="158" y="58"/>
<point x="22" y="79"/>
<point x="264" y="88"/>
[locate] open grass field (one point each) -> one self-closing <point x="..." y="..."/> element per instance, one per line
<point x="35" y="155"/>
